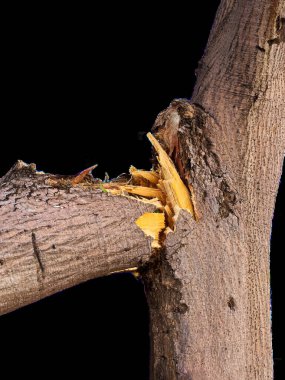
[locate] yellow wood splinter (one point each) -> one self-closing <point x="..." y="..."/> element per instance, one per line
<point x="176" y="191"/>
<point x="143" y="175"/>
<point x="152" y="224"/>
<point x="163" y="188"/>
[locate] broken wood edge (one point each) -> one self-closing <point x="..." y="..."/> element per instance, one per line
<point x="55" y="237"/>
<point x="162" y="187"/>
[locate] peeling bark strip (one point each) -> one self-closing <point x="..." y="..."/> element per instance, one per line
<point x="37" y="253"/>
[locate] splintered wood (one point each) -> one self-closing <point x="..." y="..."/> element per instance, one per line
<point x="152" y="225"/>
<point x="177" y="194"/>
<point x="162" y="187"/>
<point x="144" y="177"/>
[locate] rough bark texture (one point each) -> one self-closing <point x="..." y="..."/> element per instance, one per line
<point x="208" y="288"/>
<point x="52" y="237"/>
<point x="210" y="299"/>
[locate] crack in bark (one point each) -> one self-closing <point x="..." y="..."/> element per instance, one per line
<point x="15" y="208"/>
<point x="37" y="253"/>
<point x="232" y="303"/>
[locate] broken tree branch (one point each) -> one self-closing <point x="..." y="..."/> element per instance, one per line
<point x="55" y="236"/>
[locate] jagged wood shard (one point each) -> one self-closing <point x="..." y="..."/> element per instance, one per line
<point x="152" y="225"/>
<point x="80" y="177"/>
<point x="162" y="187"/>
<point x="176" y="191"/>
<point x="142" y="191"/>
<point x="143" y="176"/>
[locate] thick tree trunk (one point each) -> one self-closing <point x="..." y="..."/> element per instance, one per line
<point x="208" y="287"/>
<point x="210" y="299"/>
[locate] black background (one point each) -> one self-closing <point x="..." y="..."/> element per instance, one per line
<point x="82" y="86"/>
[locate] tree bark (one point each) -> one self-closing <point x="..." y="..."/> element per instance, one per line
<point x="208" y="288"/>
<point x="54" y="237"/>
<point x="210" y="299"/>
